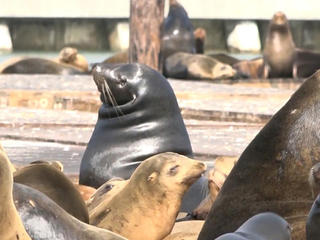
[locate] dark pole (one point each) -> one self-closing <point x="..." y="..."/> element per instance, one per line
<point x="146" y="18"/>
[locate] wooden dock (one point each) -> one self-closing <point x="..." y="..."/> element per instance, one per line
<point x="48" y="117"/>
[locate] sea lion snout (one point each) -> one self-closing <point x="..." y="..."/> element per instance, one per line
<point x="279" y="18"/>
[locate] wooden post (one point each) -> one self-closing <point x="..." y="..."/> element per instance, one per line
<point x="146" y="18"/>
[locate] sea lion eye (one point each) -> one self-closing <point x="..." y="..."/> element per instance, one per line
<point x="173" y="171"/>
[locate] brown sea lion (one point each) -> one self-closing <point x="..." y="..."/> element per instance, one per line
<point x="70" y="56"/>
<point x="199" y="37"/>
<point x="272" y="172"/>
<point x="121" y="57"/>
<point x="52" y="182"/>
<point x="196" y="66"/>
<point x="250" y="68"/>
<point x="216" y="178"/>
<point x="149" y="204"/>
<point x="34" y="65"/>
<point x="104" y="194"/>
<point x="279" y="51"/>
<point x="11" y="227"/>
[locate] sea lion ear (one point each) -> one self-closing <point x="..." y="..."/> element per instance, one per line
<point x="152" y="177"/>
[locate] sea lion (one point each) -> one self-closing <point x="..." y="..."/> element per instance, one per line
<point x="121" y="57"/>
<point x="11" y="227"/>
<point x="45" y="220"/>
<point x="279" y="158"/>
<point x="263" y="226"/>
<point x="216" y="178"/>
<point x="70" y="56"/>
<point x="12" y="167"/>
<point x="177" y="31"/>
<point x="313" y="221"/>
<point x="314" y="180"/>
<point x="279" y="51"/>
<point x="133" y="126"/>
<point x="31" y="65"/>
<point x="200" y="37"/>
<point x="149" y="204"/>
<point x="86" y="192"/>
<point x="196" y="66"/>
<point x="105" y="193"/>
<point x="250" y="68"/>
<point x="52" y="182"/>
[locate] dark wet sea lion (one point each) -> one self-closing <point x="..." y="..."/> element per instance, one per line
<point x="11" y="227"/>
<point x="307" y="63"/>
<point x="313" y="221"/>
<point x="133" y="126"/>
<point x="272" y="172"/>
<point x="264" y="226"/>
<point x="37" y="66"/>
<point x="177" y="32"/>
<point x="196" y="66"/>
<point x="149" y="204"/>
<point x="136" y="127"/>
<point x="52" y="182"/>
<point x="45" y="220"/>
<point x="279" y="51"/>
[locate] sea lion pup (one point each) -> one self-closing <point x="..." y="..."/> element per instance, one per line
<point x="106" y="192"/>
<point x="52" y="182"/>
<point x="279" y="49"/>
<point x="314" y="180"/>
<point x="33" y="65"/>
<point x="216" y="178"/>
<point x="11" y="227"/>
<point x="279" y="158"/>
<point x="177" y="31"/>
<point x="149" y="204"/>
<point x="196" y="66"/>
<point x="200" y="37"/>
<point x="263" y="226"/>
<point x="70" y="56"/>
<point x="45" y="220"/>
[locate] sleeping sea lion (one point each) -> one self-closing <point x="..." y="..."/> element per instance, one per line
<point x="45" y="220"/>
<point x="52" y="182"/>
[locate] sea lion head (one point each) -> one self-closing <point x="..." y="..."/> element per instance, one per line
<point x="279" y="21"/>
<point x="166" y="173"/>
<point x="68" y="54"/>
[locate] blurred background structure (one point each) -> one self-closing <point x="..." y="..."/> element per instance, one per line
<point x="102" y="25"/>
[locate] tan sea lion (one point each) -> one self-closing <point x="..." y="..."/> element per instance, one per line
<point x="11" y="227"/>
<point x="148" y="205"/>
<point x="279" y="49"/>
<point x="70" y="56"/>
<point x="121" y="57"/>
<point x="52" y="182"/>
<point x="216" y="178"/>
<point x="12" y="167"/>
<point x="85" y="191"/>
